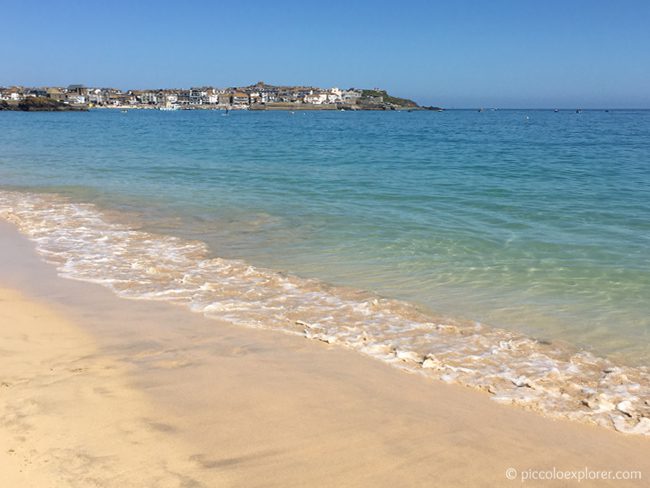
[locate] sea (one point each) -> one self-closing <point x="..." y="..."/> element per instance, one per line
<point x="506" y="250"/>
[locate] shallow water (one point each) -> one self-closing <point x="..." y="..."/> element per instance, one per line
<point x="534" y="223"/>
<point x="551" y="377"/>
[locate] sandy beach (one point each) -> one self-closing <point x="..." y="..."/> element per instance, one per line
<point x="102" y="391"/>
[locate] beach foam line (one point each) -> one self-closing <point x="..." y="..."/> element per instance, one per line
<point x="554" y="379"/>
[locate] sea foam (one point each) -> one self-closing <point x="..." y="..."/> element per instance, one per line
<point x="554" y="379"/>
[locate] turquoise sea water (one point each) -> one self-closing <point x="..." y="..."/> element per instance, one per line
<point x="533" y="221"/>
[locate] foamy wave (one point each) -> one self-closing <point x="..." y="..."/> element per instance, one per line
<point x="550" y="378"/>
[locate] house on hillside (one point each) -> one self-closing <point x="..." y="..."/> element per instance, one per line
<point x="198" y="96"/>
<point x="56" y="94"/>
<point x="318" y="98"/>
<point x="350" y="96"/>
<point x="240" y="99"/>
<point x="148" y="98"/>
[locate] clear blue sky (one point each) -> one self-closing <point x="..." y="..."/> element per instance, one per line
<point x="516" y="53"/>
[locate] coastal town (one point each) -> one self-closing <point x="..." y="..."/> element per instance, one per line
<point x="259" y="96"/>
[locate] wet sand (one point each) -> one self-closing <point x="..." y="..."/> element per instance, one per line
<point x="68" y="414"/>
<point x="102" y="391"/>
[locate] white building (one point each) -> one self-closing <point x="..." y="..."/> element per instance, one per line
<point x="240" y="99"/>
<point x="316" y="98"/>
<point x="334" y="95"/>
<point x="149" y="98"/>
<point x="95" y="96"/>
<point x="212" y="96"/>
<point x="75" y="98"/>
<point x="198" y="96"/>
<point x="268" y="97"/>
<point x="350" y="96"/>
<point x="255" y="98"/>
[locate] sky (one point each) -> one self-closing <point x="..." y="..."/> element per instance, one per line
<point x="497" y="53"/>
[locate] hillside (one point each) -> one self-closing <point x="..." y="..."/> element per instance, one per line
<point x="38" y="104"/>
<point x="382" y="97"/>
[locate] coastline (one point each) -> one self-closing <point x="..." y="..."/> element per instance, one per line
<point x="255" y="97"/>
<point x="245" y="406"/>
<point x="551" y="378"/>
<point x="280" y="107"/>
<point x="37" y="104"/>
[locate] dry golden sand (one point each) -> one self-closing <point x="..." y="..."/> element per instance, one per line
<point x="103" y="392"/>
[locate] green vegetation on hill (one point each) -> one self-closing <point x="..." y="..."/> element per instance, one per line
<point x="369" y="95"/>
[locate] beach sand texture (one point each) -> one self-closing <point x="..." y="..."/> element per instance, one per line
<point x="69" y="416"/>
<point x="101" y="391"/>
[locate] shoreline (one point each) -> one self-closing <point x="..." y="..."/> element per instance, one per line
<point x="550" y="378"/>
<point x="267" y="108"/>
<point x="257" y="408"/>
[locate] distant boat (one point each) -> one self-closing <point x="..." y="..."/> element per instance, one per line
<point x="168" y="108"/>
<point x="579" y="111"/>
<point x="556" y="110"/>
<point x="124" y="111"/>
<point x="481" y="110"/>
